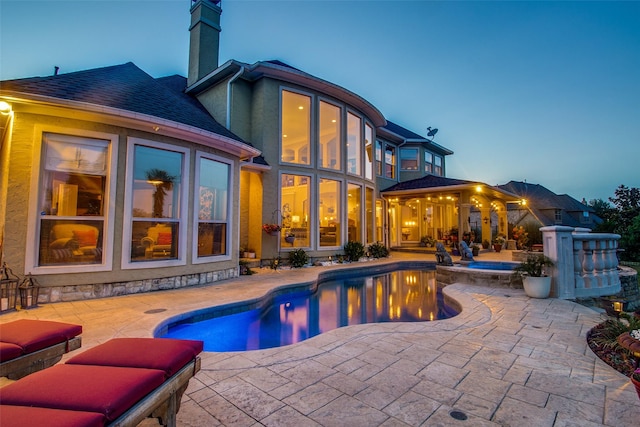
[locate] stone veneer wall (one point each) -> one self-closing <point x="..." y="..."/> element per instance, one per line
<point x="630" y="289"/>
<point x="103" y="290"/>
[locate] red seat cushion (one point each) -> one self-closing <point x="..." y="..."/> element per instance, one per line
<point x="104" y="389"/>
<point x="166" y="354"/>
<point x="9" y="351"/>
<point x="34" y="335"/>
<point x="24" y="416"/>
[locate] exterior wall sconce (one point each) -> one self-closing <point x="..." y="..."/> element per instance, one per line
<point x="485" y="220"/>
<point x="5" y="108"/>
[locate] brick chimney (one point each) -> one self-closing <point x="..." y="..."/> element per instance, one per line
<point x="204" y="44"/>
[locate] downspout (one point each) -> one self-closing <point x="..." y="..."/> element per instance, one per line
<point x="229" y="83"/>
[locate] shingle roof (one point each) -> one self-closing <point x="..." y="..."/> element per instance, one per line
<point x="124" y="87"/>
<point x="545" y="198"/>
<point x="402" y="131"/>
<point x="427" y="181"/>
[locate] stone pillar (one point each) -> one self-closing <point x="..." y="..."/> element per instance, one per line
<point x="558" y="246"/>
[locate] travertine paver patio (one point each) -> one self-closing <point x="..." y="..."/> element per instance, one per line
<point x="505" y="360"/>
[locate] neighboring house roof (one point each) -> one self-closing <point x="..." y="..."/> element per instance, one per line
<point x="402" y="134"/>
<point x="124" y="87"/>
<point x="543" y="203"/>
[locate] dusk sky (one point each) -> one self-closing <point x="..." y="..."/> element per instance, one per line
<point x="547" y="92"/>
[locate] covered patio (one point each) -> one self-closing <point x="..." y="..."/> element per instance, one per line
<point x="440" y="208"/>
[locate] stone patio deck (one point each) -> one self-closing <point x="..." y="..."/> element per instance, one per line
<point x="506" y="360"/>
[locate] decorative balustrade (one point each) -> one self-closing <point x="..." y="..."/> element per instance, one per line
<point x="586" y="264"/>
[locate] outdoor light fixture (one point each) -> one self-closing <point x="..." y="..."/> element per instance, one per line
<point x="5" y="108"/>
<point x="486" y="220"/>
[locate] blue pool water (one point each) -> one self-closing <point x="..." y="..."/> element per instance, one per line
<point x="398" y="296"/>
<point x="491" y="265"/>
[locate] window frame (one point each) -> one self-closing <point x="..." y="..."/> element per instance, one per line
<point x="394" y="166"/>
<point x="428" y="165"/>
<point x="415" y="158"/>
<point x="311" y="137"/>
<point x="195" y="259"/>
<point x="359" y="144"/>
<point x="32" y="246"/>
<point x="315" y="123"/>
<point x="340" y="214"/>
<point x="310" y="211"/>
<point x="127" y="218"/>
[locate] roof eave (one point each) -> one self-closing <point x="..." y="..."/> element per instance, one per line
<point x="139" y="121"/>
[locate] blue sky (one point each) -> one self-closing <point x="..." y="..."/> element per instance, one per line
<point x="547" y="92"/>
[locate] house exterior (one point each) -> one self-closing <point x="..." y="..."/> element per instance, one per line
<point x="115" y="182"/>
<point x="546" y="208"/>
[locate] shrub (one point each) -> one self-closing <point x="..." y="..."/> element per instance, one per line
<point x="378" y="250"/>
<point x="353" y="251"/>
<point x="298" y="258"/>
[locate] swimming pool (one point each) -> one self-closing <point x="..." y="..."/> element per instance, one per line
<point x="290" y="317"/>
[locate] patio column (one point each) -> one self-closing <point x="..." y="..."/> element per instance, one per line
<point x="485" y="220"/>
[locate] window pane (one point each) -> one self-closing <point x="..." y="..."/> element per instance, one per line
<point x="156" y="187"/>
<point x="438" y="165"/>
<point x="354" y="214"/>
<point x="212" y="239"/>
<point x="213" y="207"/>
<point x="409" y="159"/>
<point x="354" y="144"/>
<point x="72" y="195"/>
<point x="70" y="242"/>
<point x="368" y="218"/>
<point x="296" y="128"/>
<point x="214" y="190"/>
<point x="157" y="177"/>
<point x="154" y="241"/>
<point x="368" y="148"/>
<point x="389" y="162"/>
<point x="295" y="210"/>
<point x="428" y="162"/>
<point x="329" y="212"/>
<point x="378" y="158"/>
<point x="330" y="136"/>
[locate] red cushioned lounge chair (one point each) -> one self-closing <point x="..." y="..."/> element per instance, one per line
<point x="124" y="381"/>
<point x="27" y="346"/>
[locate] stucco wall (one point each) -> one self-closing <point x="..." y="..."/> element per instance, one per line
<point x="26" y="143"/>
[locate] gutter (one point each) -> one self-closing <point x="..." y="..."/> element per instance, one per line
<point x="235" y="77"/>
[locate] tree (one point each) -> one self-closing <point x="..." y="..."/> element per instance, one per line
<point x="627" y="202"/>
<point x="607" y="213"/>
<point x="623" y="219"/>
<point x="162" y="182"/>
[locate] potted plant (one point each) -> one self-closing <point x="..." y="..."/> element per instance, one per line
<point x="535" y="281"/>
<point x="498" y="242"/>
<point x="635" y="379"/>
<point x="485" y="244"/>
<point x="427" y="241"/>
<point x="249" y="253"/>
<point x="290" y="238"/>
<point x="272" y="229"/>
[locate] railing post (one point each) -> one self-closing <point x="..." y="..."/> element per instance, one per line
<point x="558" y="246"/>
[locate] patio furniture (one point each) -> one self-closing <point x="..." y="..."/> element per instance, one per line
<point x="27" y="346"/>
<point x="122" y="381"/>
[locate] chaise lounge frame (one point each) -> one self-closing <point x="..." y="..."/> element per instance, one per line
<point x="41" y="359"/>
<point x="164" y="402"/>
